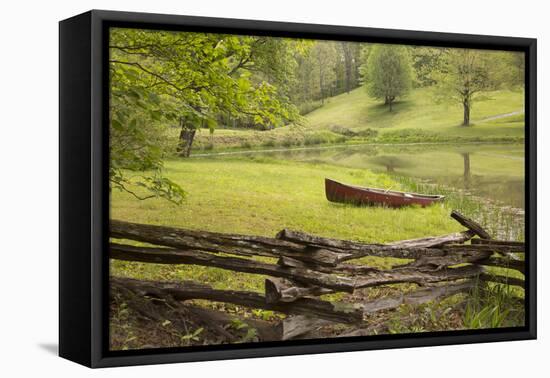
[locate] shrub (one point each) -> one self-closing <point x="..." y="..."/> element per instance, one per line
<point x="410" y="135"/>
<point x="309" y="106"/>
<point x="269" y="143"/>
<point x="246" y="144"/>
<point x="343" y="131"/>
<point x="313" y="139"/>
<point x="368" y="133"/>
<point x="287" y="142"/>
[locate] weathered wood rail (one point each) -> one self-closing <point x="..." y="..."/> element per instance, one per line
<point x="309" y="266"/>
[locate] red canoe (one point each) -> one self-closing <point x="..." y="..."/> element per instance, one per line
<point x="357" y="195"/>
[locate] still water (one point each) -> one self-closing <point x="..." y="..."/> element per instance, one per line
<point x="492" y="172"/>
<point x="484" y="181"/>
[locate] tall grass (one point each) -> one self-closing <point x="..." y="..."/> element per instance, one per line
<point x="493" y="306"/>
<point x="500" y="221"/>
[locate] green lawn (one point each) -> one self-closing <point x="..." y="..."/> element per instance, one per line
<point x="418" y="110"/>
<point x="261" y="197"/>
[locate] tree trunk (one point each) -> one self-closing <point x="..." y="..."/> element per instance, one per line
<point x="321" y="73"/>
<point x="347" y="64"/>
<point x="321" y="87"/>
<point x="187" y="135"/>
<point x="466" y="105"/>
<point x="390" y="100"/>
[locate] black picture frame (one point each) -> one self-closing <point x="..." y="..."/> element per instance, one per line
<point x="84" y="189"/>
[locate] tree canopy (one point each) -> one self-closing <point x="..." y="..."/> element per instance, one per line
<point x="388" y="72"/>
<point x="465" y="74"/>
<point x="160" y="77"/>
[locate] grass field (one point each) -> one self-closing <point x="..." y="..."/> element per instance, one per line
<point x="355" y="117"/>
<point x="261" y="197"/>
<point x="229" y="195"/>
<point x="417" y="111"/>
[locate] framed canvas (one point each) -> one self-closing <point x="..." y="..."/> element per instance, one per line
<point x="234" y="188"/>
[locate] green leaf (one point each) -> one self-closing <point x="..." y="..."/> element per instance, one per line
<point x="133" y="93"/>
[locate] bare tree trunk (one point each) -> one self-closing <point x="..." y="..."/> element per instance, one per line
<point x="321" y="90"/>
<point x="348" y="65"/>
<point x="187" y="135"/>
<point x="388" y="100"/>
<point x="466" y="105"/>
<point x="321" y="73"/>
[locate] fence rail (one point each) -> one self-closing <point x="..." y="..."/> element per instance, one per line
<point x="309" y="266"/>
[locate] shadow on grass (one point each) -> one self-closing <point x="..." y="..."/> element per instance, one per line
<point x="384" y="118"/>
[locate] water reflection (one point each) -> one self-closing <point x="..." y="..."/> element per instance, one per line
<point x="495" y="172"/>
<point x="391" y="162"/>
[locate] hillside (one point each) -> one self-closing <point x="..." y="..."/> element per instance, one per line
<point x="357" y="118"/>
<point x="358" y="111"/>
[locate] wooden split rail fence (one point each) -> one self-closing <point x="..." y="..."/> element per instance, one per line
<point x="309" y="266"/>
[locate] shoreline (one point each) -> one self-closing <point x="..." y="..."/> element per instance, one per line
<point x="351" y="145"/>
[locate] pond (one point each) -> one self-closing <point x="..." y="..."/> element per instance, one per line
<point x="493" y="175"/>
<point x="495" y="172"/>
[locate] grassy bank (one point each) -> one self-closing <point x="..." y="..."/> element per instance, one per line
<point x="355" y="117"/>
<point x="263" y="196"/>
<point x="419" y="111"/>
